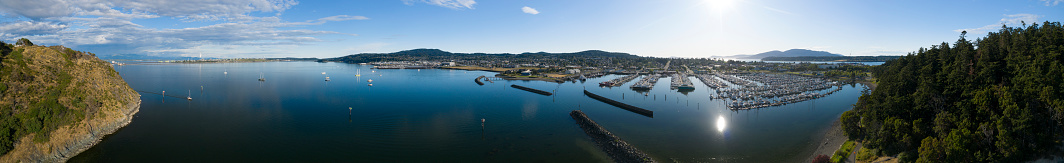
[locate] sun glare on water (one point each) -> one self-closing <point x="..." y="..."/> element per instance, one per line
<point x="721" y="123"/>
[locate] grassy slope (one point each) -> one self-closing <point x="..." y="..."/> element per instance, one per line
<point x="48" y="89"/>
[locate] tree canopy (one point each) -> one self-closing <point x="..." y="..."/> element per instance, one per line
<point x="995" y="99"/>
<point x="24" y="42"/>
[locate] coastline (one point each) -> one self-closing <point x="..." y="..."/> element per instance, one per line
<point x="71" y="140"/>
<point x="829" y="140"/>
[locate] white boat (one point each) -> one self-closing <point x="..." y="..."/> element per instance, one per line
<point x="359" y="73"/>
<point x="261" y="78"/>
<point x="189" y="95"/>
<point x="326" y="78"/>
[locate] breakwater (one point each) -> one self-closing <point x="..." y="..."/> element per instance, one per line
<point x="478" y="80"/>
<point x="545" y="93"/>
<point x="617" y="149"/>
<point x="624" y="106"/>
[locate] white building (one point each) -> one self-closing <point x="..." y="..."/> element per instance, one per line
<point x="572" y="71"/>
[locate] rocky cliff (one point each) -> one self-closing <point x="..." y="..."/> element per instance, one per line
<point x="56" y="102"/>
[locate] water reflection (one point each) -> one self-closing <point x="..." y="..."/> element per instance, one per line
<point x="721" y="123"/>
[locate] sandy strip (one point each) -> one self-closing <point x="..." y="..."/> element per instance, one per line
<point x="831" y="140"/>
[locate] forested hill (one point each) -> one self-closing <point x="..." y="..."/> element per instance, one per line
<point x="995" y="99"/>
<point x="436" y="54"/>
<point x="56" y="102"/>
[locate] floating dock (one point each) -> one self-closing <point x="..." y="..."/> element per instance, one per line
<point x="624" y="106"/>
<point x="545" y="93"/>
<point x="617" y="149"/>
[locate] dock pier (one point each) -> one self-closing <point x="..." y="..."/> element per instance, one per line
<point x="624" y="106"/>
<point x="617" y="149"/>
<point x="545" y="93"/>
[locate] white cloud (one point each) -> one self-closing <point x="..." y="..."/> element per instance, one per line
<point x="529" y="10"/>
<point x="31" y="27"/>
<point x="454" y="4"/>
<point x="1010" y="20"/>
<point x="1052" y="2"/>
<point x="343" y="18"/>
<point x="106" y="27"/>
<point x="185" y="9"/>
<point x="37" y="9"/>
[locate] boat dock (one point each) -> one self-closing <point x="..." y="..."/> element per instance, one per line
<point x="617" y="149"/>
<point x="711" y="82"/>
<point x="624" y="106"/>
<point x="619" y="81"/>
<point x="647" y="82"/>
<point x="680" y="81"/>
<point x="773" y="90"/>
<point x="545" y="93"/>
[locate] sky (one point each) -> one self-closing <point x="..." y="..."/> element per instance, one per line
<point x="659" y="28"/>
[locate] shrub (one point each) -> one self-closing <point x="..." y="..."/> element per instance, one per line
<point x="821" y="159"/>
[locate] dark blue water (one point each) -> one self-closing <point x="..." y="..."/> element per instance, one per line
<point x="433" y="115"/>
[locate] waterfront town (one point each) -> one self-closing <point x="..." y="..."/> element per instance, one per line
<point x="742" y="84"/>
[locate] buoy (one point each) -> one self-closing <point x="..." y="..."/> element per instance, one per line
<point x="482" y="120"/>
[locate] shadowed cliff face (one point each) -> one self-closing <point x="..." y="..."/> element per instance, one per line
<point x="56" y="102"/>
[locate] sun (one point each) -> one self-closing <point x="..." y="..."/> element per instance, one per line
<point x="721" y="5"/>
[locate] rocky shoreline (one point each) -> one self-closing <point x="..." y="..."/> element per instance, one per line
<point x="74" y="139"/>
<point x="617" y="149"/>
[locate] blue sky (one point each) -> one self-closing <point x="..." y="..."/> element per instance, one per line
<point x="661" y="28"/>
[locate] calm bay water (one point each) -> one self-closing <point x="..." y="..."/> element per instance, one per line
<point x="433" y="115"/>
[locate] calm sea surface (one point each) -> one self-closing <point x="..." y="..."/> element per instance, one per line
<point x="433" y="115"/>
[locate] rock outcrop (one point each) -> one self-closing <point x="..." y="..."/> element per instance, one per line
<point x="56" y="102"/>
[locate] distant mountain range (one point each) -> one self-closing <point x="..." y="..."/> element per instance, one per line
<point x="789" y="53"/>
<point x="440" y="54"/>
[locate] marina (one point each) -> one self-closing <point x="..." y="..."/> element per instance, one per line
<point x="619" y="81"/>
<point x="647" y="82"/>
<point x="345" y="118"/>
<point x="681" y="82"/>
<point x="773" y="90"/>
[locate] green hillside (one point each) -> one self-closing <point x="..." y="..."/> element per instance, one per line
<point x="45" y="89"/>
<point x="995" y="99"/>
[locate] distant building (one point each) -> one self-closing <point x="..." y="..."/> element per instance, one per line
<point x="572" y="71"/>
<point x="526" y="73"/>
<point x="448" y="64"/>
<point x="828" y="66"/>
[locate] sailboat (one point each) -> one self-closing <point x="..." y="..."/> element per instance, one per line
<point x="359" y="73"/>
<point x="261" y="78"/>
<point x="189" y="95"/>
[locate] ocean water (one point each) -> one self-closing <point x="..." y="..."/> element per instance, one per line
<point x="434" y="115"/>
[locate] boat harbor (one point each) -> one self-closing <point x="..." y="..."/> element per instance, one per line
<point x="647" y="82"/>
<point x="618" y="81"/>
<point x="759" y="90"/>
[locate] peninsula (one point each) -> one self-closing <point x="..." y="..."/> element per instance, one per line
<point x="56" y="102"/>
